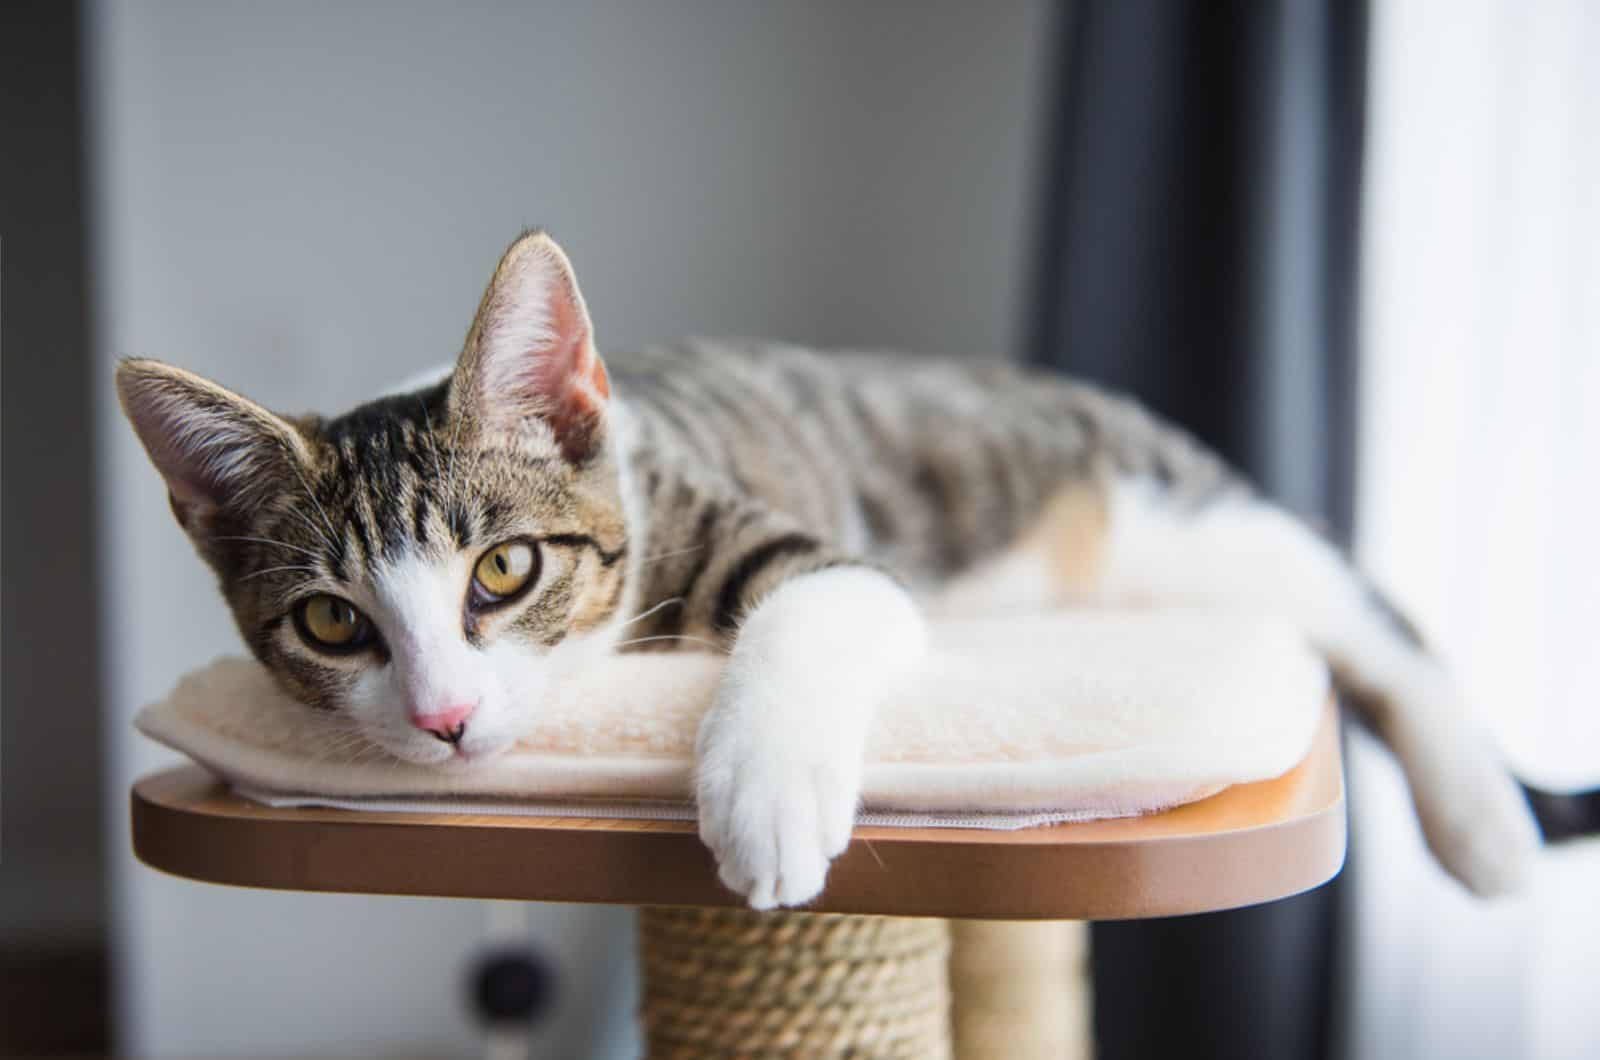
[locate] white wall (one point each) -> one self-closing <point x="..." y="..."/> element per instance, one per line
<point x="303" y="200"/>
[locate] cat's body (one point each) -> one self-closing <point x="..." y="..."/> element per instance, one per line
<point x="930" y="470"/>
<point x="798" y="510"/>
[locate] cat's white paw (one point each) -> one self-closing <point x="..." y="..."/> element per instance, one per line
<point x="779" y="755"/>
<point x="776" y="802"/>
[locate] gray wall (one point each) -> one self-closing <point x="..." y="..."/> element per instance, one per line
<point x="304" y="200"/>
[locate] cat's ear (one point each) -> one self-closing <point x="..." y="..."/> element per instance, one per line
<point x="530" y="354"/>
<point x="221" y="454"/>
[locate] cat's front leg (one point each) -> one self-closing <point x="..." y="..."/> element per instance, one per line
<point x="780" y="753"/>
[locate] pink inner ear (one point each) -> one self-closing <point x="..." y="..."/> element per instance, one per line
<point x="534" y="355"/>
<point x="569" y="360"/>
<point x="577" y="387"/>
<point x="565" y="375"/>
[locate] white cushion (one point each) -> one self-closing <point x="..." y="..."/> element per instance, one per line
<point x="1066" y="716"/>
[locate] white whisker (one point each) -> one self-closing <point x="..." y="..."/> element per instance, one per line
<point x="330" y="543"/>
<point x="350" y="747"/>
<point x="646" y="614"/>
<point x="274" y="570"/>
<point x="329" y="540"/>
<point x="678" y="636"/>
<point x="269" y="541"/>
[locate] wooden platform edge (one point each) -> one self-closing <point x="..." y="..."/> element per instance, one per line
<point x="1248" y="844"/>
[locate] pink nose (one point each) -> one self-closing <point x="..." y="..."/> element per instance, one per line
<point x="448" y="724"/>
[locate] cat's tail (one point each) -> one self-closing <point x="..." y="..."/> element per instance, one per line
<point x="1238" y="551"/>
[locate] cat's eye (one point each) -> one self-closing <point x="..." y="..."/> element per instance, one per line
<point x="505" y="570"/>
<point x="331" y="624"/>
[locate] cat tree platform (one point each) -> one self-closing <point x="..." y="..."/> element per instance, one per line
<point x="1248" y="844"/>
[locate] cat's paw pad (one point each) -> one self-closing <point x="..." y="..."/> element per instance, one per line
<point x="774" y="813"/>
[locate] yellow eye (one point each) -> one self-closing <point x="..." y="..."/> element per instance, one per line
<point x="331" y="623"/>
<point x="506" y="570"/>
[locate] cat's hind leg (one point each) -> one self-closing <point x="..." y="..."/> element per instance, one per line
<point x="1242" y="553"/>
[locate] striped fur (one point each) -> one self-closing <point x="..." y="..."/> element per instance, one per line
<point x="757" y="462"/>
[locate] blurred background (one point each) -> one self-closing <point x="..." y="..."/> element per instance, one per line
<point x="1356" y="247"/>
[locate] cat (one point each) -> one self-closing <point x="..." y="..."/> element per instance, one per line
<point x="495" y="528"/>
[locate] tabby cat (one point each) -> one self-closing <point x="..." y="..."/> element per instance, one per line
<point x="424" y="564"/>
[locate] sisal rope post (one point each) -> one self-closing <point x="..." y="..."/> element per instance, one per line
<point x="1022" y="990"/>
<point x="731" y="982"/>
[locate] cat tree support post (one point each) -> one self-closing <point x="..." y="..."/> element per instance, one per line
<point x="723" y="982"/>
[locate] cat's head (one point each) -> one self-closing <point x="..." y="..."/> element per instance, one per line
<point x="424" y="565"/>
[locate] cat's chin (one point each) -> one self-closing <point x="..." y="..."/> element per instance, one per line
<point x="453" y="759"/>
<point x="412" y="757"/>
<point x="462" y="760"/>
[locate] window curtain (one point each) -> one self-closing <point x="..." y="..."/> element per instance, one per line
<point x="1480" y="502"/>
<point x="1197" y="249"/>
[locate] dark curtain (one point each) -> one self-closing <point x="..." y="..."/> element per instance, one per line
<point x="54" y="971"/>
<point x="1197" y="249"/>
